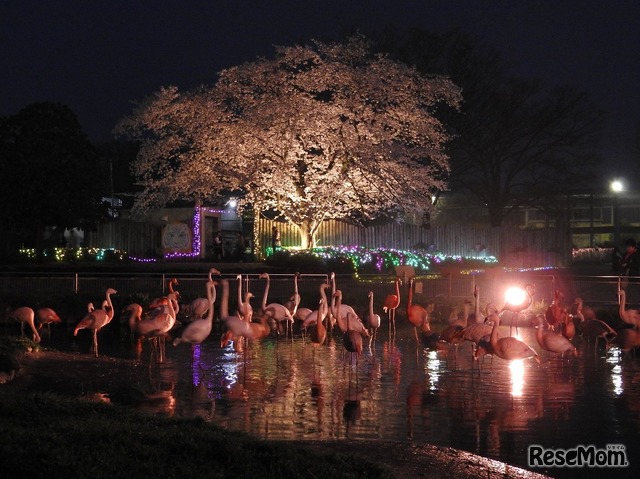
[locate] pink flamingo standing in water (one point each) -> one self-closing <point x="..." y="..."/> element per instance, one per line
<point x="96" y="320"/>
<point x="391" y="303"/>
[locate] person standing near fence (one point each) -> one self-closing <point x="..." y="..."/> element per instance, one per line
<point x="630" y="264"/>
<point x="275" y="239"/>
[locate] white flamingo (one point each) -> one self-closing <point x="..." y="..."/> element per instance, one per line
<point x="319" y="314"/>
<point x="200" y="329"/>
<point x="97" y="319"/>
<point x="373" y="320"/>
<point x="244" y="305"/>
<point x="629" y="316"/>
<point x="199" y="306"/>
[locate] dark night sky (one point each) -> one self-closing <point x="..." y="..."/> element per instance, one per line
<point x="98" y="56"/>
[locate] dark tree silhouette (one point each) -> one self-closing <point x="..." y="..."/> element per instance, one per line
<point x="516" y="140"/>
<point x="51" y="175"/>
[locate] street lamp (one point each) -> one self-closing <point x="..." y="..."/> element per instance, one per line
<point x="617" y="187"/>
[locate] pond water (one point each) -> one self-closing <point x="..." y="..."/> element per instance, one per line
<point x="283" y="388"/>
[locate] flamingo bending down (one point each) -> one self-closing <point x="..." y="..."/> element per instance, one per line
<point x="280" y="312"/>
<point x="346" y="317"/>
<point x="97" y="319"/>
<point x="200" y="306"/>
<point x="47" y="316"/>
<point x="163" y="300"/>
<point x="391" y="303"/>
<point x="199" y="330"/>
<point x="629" y="316"/>
<point x="509" y="348"/>
<point x="416" y="314"/>
<point x="627" y="339"/>
<point x="596" y="328"/>
<point x="483" y="348"/>
<point x="373" y="320"/>
<point x="553" y="342"/>
<point x="319" y="314"/>
<point x="157" y="326"/>
<point x="26" y="315"/>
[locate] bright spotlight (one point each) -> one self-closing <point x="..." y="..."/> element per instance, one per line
<point x="617" y="186"/>
<point x="232" y="203"/>
<point x="515" y="296"/>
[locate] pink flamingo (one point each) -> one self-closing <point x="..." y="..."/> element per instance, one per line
<point x="509" y="348"/>
<point x="416" y="314"/>
<point x="553" y="342"/>
<point x="163" y="300"/>
<point x="346" y="317"/>
<point x="97" y="319"/>
<point x="26" y="315"/>
<point x="391" y="303"/>
<point x="280" y="311"/>
<point x="629" y="316"/>
<point x="47" y="316"/>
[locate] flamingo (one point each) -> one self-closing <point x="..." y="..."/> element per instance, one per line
<point x="509" y="348"/>
<point x="483" y="348"/>
<point x="97" y="319"/>
<point x="47" y="316"/>
<point x="556" y="313"/>
<point x="158" y="325"/>
<point x="236" y="326"/>
<point x="280" y="312"/>
<point x="199" y="306"/>
<point x="553" y="342"/>
<point x="319" y="314"/>
<point x="629" y="316"/>
<point x="373" y="319"/>
<point x="26" y="315"/>
<point x="199" y="330"/>
<point x="294" y="301"/>
<point x="352" y="338"/>
<point x="627" y="340"/>
<point x="451" y="336"/>
<point x="244" y="306"/>
<point x="343" y="313"/>
<point x="416" y="314"/>
<point x="430" y="338"/>
<point x="135" y="315"/>
<point x="477" y="316"/>
<point x="596" y="328"/>
<point x="163" y="300"/>
<point x="391" y="303"/>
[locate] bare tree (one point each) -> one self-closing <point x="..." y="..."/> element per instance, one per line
<point x="320" y="131"/>
<point x="516" y="140"/>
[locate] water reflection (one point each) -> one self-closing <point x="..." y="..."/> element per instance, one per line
<point x="290" y="390"/>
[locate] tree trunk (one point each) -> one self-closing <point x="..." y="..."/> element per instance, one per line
<point x="308" y="230"/>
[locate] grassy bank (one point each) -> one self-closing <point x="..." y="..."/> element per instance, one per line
<point x="46" y="436"/>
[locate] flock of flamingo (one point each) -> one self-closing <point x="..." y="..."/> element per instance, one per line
<point x="556" y="328"/>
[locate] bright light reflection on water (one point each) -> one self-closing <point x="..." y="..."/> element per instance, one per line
<point x="284" y="389"/>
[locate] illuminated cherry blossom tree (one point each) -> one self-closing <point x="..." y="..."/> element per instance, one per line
<point x="321" y="131"/>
